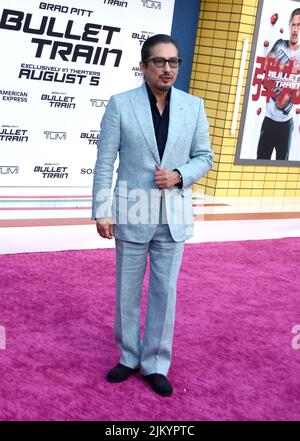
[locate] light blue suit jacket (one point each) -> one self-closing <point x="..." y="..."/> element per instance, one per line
<point x="127" y="129"/>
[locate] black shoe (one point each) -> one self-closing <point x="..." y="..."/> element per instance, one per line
<point x="160" y="384"/>
<point x="120" y="373"/>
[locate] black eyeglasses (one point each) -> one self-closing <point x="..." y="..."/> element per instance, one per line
<point x="161" y="62"/>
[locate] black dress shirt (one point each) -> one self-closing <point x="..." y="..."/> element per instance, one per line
<point x="160" y="122"/>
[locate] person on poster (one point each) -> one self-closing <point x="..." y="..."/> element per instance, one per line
<point x="162" y="137"/>
<point x="278" y="124"/>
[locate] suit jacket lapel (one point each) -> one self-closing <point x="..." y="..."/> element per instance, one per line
<point x="142" y="110"/>
<point x="175" y="124"/>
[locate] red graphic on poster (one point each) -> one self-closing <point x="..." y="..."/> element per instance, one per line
<point x="274" y="19"/>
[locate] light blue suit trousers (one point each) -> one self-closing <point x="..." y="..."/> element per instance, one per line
<point x="152" y="352"/>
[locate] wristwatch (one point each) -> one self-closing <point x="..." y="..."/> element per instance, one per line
<point x="179" y="184"/>
<point x="180" y="176"/>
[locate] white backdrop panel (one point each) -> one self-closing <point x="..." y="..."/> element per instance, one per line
<point x="60" y="64"/>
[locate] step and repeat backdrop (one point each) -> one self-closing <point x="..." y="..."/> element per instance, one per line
<point x="60" y="63"/>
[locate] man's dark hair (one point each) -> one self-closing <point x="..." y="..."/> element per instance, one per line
<point x="295" y="12"/>
<point x="152" y="41"/>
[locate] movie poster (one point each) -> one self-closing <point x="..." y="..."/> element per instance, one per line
<point x="270" y="123"/>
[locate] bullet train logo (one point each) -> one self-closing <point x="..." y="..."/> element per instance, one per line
<point x="59" y="100"/>
<point x="142" y="36"/>
<point x="46" y="30"/>
<point x="51" y="171"/>
<point x="13" y="134"/>
<point x="91" y="137"/>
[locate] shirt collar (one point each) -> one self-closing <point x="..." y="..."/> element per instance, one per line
<point x="152" y="97"/>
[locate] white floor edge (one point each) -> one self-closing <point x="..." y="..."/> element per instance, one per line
<point x="75" y="237"/>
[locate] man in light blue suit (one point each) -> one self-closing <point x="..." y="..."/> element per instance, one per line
<point x="162" y="138"/>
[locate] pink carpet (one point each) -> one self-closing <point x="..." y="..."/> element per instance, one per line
<point x="232" y="359"/>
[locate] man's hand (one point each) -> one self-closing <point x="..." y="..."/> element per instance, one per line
<point x="105" y="227"/>
<point x="165" y="178"/>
